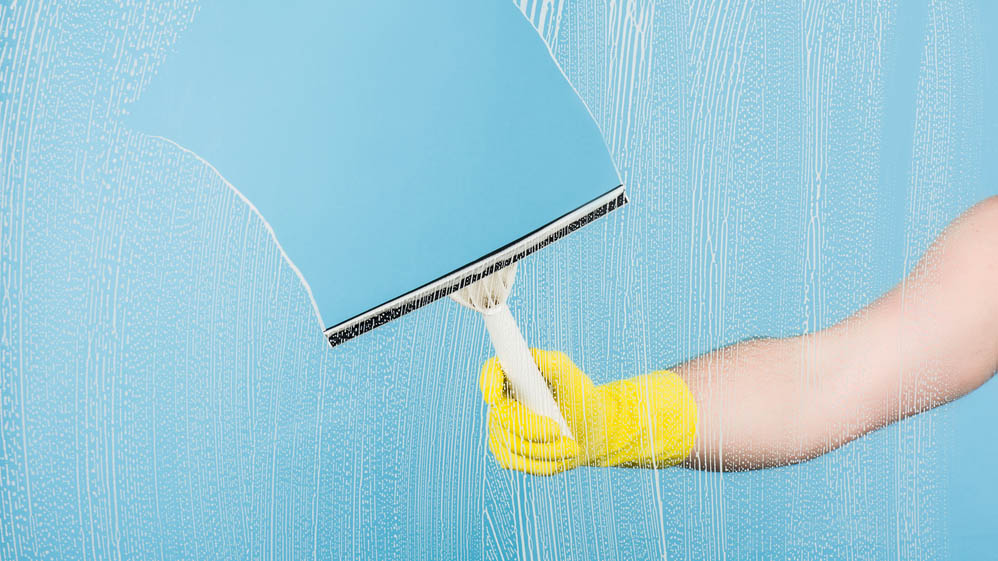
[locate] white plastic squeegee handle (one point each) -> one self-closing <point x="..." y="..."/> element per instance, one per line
<point x="529" y="387"/>
<point x="488" y="297"/>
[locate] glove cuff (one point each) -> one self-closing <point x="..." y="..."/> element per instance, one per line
<point x="651" y="421"/>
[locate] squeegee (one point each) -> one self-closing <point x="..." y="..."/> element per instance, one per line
<point x="400" y="151"/>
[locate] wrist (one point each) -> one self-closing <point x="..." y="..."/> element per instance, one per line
<point x="651" y="421"/>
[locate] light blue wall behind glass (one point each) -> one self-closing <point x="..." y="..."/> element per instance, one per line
<point x="386" y="144"/>
<point x="166" y="392"/>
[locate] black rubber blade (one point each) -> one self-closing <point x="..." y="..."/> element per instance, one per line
<point x="486" y="265"/>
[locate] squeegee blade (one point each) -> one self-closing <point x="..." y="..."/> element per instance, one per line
<point x="484" y="266"/>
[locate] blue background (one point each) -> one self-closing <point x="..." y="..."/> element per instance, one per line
<point x="166" y="392"/>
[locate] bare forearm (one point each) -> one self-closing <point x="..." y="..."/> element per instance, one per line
<point x="931" y="339"/>
<point x="944" y="317"/>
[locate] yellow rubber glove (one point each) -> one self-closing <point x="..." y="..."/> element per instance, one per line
<point x="646" y="421"/>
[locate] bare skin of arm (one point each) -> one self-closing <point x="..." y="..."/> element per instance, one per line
<point x="930" y="340"/>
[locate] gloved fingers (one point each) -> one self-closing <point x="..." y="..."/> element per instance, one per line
<point x="536" y="467"/>
<point x="493" y="382"/>
<point x="558" y="449"/>
<point x="514" y="417"/>
<point x="509" y="459"/>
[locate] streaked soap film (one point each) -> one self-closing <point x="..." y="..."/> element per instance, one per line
<point x="167" y="394"/>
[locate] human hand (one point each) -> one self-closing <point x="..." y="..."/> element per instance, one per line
<point x="646" y="421"/>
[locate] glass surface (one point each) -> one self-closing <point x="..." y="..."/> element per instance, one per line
<point x="166" y="393"/>
<point x="386" y="144"/>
